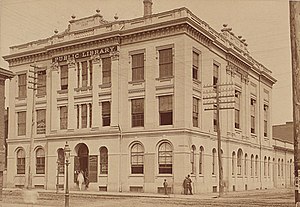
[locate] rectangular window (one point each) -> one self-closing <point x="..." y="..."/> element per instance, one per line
<point x="21" y="123"/>
<point x="195" y="65"/>
<point x="22" y="80"/>
<point x="137" y="112"/>
<point x="40" y="165"/>
<point x="106" y="113"/>
<point x="91" y="72"/>
<point x="106" y="70"/>
<point x="83" y="116"/>
<point x="195" y="112"/>
<point x="266" y="115"/>
<point x="91" y="114"/>
<point x="78" y="115"/>
<point x="237" y="110"/>
<point x="138" y="67"/>
<point x="41" y="121"/>
<point x="165" y="110"/>
<point x="41" y="82"/>
<point x="63" y="117"/>
<point x="165" y="63"/>
<point x="84" y="74"/>
<point x="215" y="74"/>
<point x="215" y="118"/>
<point x="253" y="109"/>
<point x="21" y="165"/>
<point x="63" y="77"/>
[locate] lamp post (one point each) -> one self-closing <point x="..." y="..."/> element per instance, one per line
<point x="67" y="151"/>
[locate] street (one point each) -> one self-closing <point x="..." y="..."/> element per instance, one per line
<point x="283" y="197"/>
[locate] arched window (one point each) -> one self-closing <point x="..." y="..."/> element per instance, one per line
<point x="278" y="167"/>
<point x="265" y="166"/>
<point x="269" y="160"/>
<point x="245" y="164"/>
<point x="40" y="161"/>
<point x="252" y="165"/>
<point x="282" y="166"/>
<point x="137" y="159"/>
<point x="21" y="161"/>
<point x="193" y="159"/>
<point x="201" y="159"/>
<point x="233" y="163"/>
<point x="165" y="158"/>
<point x="61" y="161"/>
<point x="256" y="165"/>
<point x="103" y="160"/>
<point x="239" y="161"/>
<point x="214" y="161"/>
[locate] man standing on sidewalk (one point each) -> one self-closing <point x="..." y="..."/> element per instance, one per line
<point x="189" y="184"/>
<point x="165" y="184"/>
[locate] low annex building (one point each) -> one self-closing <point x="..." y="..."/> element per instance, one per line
<point x="129" y="97"/>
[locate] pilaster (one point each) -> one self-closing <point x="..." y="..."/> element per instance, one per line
<point x="115" y="88"/>
<point x="71" y="85"/>
<point x="54" y="126"/>
<point x="96" y="61"/>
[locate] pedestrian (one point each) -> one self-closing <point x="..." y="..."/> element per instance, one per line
<point x="184" y="185"/>
<point x="80" y="179"/>
<point x="189" y="184"/>
<point x="165" y="184"/>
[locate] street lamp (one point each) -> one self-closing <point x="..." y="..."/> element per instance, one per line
<point x="67" y="151"/>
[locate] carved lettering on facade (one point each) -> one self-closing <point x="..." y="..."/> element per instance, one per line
<point x="84" y="54"/>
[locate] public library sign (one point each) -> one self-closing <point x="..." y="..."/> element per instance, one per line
<point x="84" y="54"/>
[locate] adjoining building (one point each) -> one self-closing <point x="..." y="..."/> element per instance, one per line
<point x="4" y="74"/>
<point x="128" y="97"/>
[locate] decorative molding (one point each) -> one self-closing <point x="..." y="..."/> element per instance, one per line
<point x="138" y="90"/>
<point x="71" y="62"/>
<point x="54" y="66"/>
<point x="115" y="55"/>
<point x="96" y="59"/>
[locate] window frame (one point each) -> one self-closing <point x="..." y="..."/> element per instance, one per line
<point x="22" y="85"/>
<point x="137" y="112"/>
<point x="21" y="162"/>
<point x="195" y="112"/>
<point x="63" y="117"/>
<point x="103" y="160"/>
<point x="137" y="165"/>
<point x="40" y="118"/>
<point x="195" y="65"/>
<point x="40" y="161"/>
<point x="165" y="115"/>
<point x="41" y="82"/>
<point x="64" y="77"/>
<point x="165" y="158"/>
<point x="137" y="66"/>
<point x="165" y="62"/>
<point x="106" y="70"/>
<point x="106" y="113"/>
<point x="21" y="125"/>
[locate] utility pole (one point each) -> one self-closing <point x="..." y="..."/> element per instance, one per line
<point x="32" y="80"/>
<point x="216" y="99"/>
<point x="295" y="49"/>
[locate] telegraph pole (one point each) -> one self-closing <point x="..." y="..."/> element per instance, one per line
<point x="216" y="100"/>
<point x="295" y="49"/>
<point x="32" y="80"/>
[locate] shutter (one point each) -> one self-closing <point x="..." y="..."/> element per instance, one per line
<point x="93" y="168"/>
<point x="76" y="168"/>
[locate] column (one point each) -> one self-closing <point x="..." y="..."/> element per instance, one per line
<point x="115" y="82"/>
<point x="96" y="61"/>
<point x="71" y="85"/>
<point x="55" y="86"/>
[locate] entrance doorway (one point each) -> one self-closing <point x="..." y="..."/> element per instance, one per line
<point x="81" y="161"/>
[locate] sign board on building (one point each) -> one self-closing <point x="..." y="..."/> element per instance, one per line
<point x="84" y="54"/>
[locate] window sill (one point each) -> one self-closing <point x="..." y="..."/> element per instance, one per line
<point x="162" y="79"/>
<point x="136" y="175"/>
<point x="64" y="91"/>
<point x="213" y="175"/>
<point x="105" y="85"/>
<point x="20" y="175"/>
<point x="103" y="175"/>
<point x="164" y="175"/>
<point x="39" y="175"/>
<point x="136" y="82"/>
<point x="239" y="131"/>
<point x="201" y="175"/>
<point x="21" y="98"/>
<point x="85" y="88"/>
<point x="41" y="95"/>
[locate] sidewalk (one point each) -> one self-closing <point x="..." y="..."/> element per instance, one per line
<point x="78" y="193"/>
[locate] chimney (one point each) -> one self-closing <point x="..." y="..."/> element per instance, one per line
<point x="147" y="7"/>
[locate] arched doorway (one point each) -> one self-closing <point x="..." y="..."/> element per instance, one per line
<point x="81" y="161"/>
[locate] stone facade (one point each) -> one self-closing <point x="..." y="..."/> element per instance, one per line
<point x="167" y="151"/>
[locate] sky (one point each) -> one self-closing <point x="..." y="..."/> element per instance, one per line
<point x="263" y="23"/>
